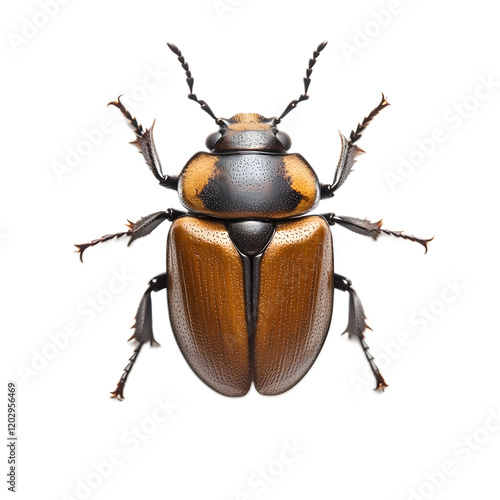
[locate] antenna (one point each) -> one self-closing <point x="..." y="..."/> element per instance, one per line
<point x="190" y="81"/>
<point x="307" y="82"/>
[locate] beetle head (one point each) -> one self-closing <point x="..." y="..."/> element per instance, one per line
<point x="248" y="132"/>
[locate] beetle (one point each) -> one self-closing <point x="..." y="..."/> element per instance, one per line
<point x="250" y="278"/>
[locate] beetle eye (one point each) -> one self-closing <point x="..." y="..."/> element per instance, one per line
<point x="285" y="140"/>
<point x="212" y="140"/>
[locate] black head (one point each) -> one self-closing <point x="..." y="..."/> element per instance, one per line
<point x="248" y="132"/>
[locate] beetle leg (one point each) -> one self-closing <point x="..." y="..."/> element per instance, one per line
<point x="145" y="142"/>
<point x="143" y="330"/>
<point x="138" y="229"/>
<point x="372" y="229"/>
<point x="357" y="325"/>
<point x="349" y="152"/>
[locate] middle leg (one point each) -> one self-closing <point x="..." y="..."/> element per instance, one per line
<point x="372" y="229"/>
<point x="138" y="229"/>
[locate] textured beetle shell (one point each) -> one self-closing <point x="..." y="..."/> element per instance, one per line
<point x="295" y="303"/>
<point x="249" y="185"/>
<point x="207" y="303"/>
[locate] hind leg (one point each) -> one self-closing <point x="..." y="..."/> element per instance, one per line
<point x="357" y="325"/>
<point x="143" y="329"/>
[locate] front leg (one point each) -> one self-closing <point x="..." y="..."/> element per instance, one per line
<point x="136" y="230"/>
<point x="349" y="152"/>
<point x="144" y="141"/>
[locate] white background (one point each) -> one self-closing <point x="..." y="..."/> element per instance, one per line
<point x="250" y="56"/>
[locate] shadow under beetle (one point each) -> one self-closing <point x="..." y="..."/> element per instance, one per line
<point x="250" y="277"/>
